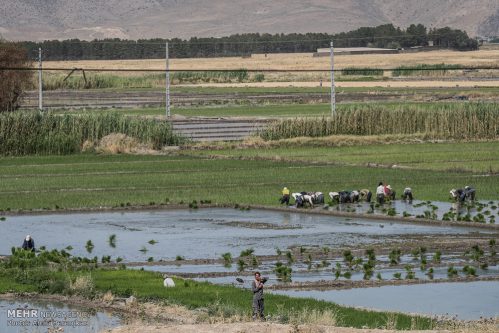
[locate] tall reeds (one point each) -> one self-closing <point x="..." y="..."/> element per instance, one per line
<point x="438" y="121"/>
<point x="23" y="133"/>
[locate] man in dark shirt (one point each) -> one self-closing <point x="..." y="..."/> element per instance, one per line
<point x="257" y="287"/>
<point x="29" y="244"/>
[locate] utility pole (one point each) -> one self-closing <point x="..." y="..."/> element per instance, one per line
<point x="40" y="82"/>
<point x="167" y="82"/>
<point x="333" y="90"/>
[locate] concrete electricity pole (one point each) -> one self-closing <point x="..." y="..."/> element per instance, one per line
<point x="333" y="90"/>
<point x="167" y="82"/>
<point x="40" y="82"/>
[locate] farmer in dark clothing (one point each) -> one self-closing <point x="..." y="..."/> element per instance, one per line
<point x="407" y="195"/>
<point x="257" y="287"/>
<point x="28" y="244"/>
<point x="469" y="192"/>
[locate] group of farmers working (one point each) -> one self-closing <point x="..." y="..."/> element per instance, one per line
<point x="384" y="193"/>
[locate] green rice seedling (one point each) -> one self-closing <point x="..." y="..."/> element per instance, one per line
<point x="325" y="250"/>
<point x="152" y="242"/>
<point x="406" y="214"/>
<point x="379" y="277"/>
<point x="247" y="252"/>
<point x="143" y="249"/>
<point x="452" y="272"/>
<point x="347" y="275"/>
<point x="119" y="259"/>
<point x="337" y="274"/>
<point x="69" y="247"/>
<point x="302" y="250"/>
<point x="476" y="253"/>
<point x="278" y="251"/>
<point x="227" y="258"/>
<point x="150" y="259"/>
<point x="290" y="257"/>
<point x="415" y="254"/>
<point x="348" y="257"/>
<point x="283" y="273"/>
<point x="492" y="243"/>
<point x="89" y="246"/>
<point x="397" y="275"/>
<point x="394" y="256"/>
<point x="430" y="273"/>
<point x="469" y="270"/>
<point x="241" y="265"/>
<point x="484" y="266"/>
<point x="112" y="240"/>
<point x="3" y="218"/>
<point x="106" y="259"/>
<point x="179" y="258"/>
<point x="254" y="262"/>
<point x="391" y="212"/>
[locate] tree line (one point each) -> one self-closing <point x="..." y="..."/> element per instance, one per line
<point x="384" y="36"/>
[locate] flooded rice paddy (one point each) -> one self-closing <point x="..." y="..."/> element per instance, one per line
<point x="467" y="301"/>
<point x="190" y="243"/>
<point x="17" y="316"/>
<point x="205" y="233"/>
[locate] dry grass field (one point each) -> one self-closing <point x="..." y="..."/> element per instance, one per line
<point x="291" y="61"/>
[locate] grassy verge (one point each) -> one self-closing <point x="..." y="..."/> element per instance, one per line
<point x="80" y="181"/>
<point x="58" y="273"/>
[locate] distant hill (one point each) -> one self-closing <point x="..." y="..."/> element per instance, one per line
<point x="134" y="19"/>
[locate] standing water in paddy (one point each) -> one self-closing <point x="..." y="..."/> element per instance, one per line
<point x="205" y="233"/>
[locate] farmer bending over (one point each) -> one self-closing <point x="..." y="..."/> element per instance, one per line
<point x="407" y="195"/>
<point x="365" y="195"/>
<point x="29" y="244"/>
<point x="380" y="193"/>
<point x="285" y="196"/>
<point x="257" y="287"/>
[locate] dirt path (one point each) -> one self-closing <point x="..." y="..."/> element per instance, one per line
<point x="371" y="84"/>
<point x="274" y="328"/>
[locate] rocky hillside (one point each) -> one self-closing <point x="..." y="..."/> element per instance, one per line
<point x="62" y="19"/>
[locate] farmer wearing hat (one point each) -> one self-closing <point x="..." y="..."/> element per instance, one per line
<point x="285" y="196"/>
<point x="29" y="244"/>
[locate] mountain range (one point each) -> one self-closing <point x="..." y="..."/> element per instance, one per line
<point x="134" y="19"/>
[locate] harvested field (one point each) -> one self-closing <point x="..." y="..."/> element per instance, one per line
<point x="291" y="61"/>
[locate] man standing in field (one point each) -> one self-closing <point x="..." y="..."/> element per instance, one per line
<point x="257" y="287"/>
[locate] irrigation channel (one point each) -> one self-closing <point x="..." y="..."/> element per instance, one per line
<point x="47" y="316"/>
<point x="322" y="256"/>
<point x="133" y="98"/>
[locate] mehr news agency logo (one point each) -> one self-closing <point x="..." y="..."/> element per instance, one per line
<point x="26" y="317"/>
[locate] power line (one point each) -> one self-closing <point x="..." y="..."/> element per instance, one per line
<point x="276" y="70"/>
